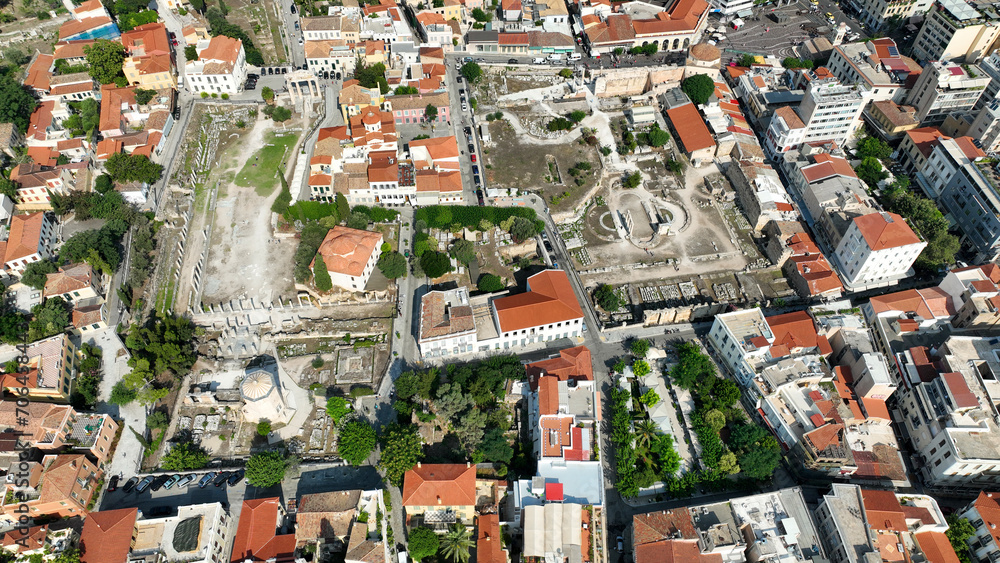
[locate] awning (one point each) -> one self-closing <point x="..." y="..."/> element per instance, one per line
<point x="744" y="13"/>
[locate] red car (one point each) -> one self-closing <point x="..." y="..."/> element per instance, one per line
<point x="473" y="158"/>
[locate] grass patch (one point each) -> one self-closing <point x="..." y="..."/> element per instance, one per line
<point x="263" y="177"/>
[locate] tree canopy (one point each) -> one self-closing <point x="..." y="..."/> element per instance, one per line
<point x="960" y="530"/>
<point x="49" y="318"/>
<point x="401" y="450"/>
<point x="472" y="71"/>
<point x="356" y="441"/>
<point x="435" y="264"/>
<point x="36" y="274"/>
<point x="606" y="298"/>
<point x="184" y="456"/>
<point x="16" y="103"/>
<point x="464" y="251"/>
<point x="165" y="342"/>
<point x="133" y="167"/>
<point x="392" y="265"/>
<point x="321" y="276"/>
<point x="337" y="408"/>
<point x="105" y="58"/>
<point x="266" y="469"/>
<point x="422" y="543"/>
<point x="489" y="283"/>
<point x="698" y="87"/>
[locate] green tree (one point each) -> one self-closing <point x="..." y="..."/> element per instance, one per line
<point x="401" y="450"/>
<point x="191" y="54"/>
<point x="36" y="274"/>
<point x="183" y="457"/>
<point x="481" y="16"/>
<point x="645" y="431"/>
<point x="639" y="347"/>
<point x="143" y="96"/>
<point x="104" y="184"/>
<point x="405" y="91"/>
<point x="522" y="229"/>
<point x="566" y="73"/>
<point x="658" y="137"/>
<point x="489" y="283"/>
<point x="726" y="393"/>
<point x="728" y="463"/>
<point x="692" y="366"/>
<point x="747" y="60"/>
<point x="357" y="220"/>
<point x="633" y="180"/>
<point x="606" y="298"/>
<point x="699" y="88"/>
<point x="456" y="544"/>
<point x="158" y="420"/>
<point x="49" y="318"/>
<point x="105" y="58"/>
<point x="435" y="264"/>
<point x="281" y="113"/>
<point x="267" y="94"/>
<point x="321" y="276"/>
<point x="793" y="63"/>
<point x="121" y="394"/>
<point x="715" y="419"/>
<point x="356" y="442"/>
<point x="133" y="167"/>
<point x="464" y="251"/>
<point x="343" y="208"/>
<point x="640" y="368"/>
<point x="870" y="171"/>
<point x="872" y="147"/>
<point x="263" y="428"/>
<point x="430" y="112"/>
<point x="472" y="71"/>
<point x="337" y="408"/>
<point x="134" y="20"/>
<point x="392" y="265"/>
<point x="422" y="543"/>
<point x="266" y="469"/>
<point x="16" y="56"/>
<point x="495" y="446"/>
<point x="67" y="556"/>
<point x="577" y="116"/>
<point x="760" y="463"/>
<point x="649" y="398"/>
<point x="959" y="532"/>
<point x="163" y="343"/>
<point x="16" y="103"/>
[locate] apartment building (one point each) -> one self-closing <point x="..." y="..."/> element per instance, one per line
<point x="946" y="87"/>
<point x="29" y="240"/>
<point x="52" y="364"/>
<point x="945" y="406"/>
<point x="548" y="310"/>
<point x="198" y="533"/>
<point x="829" y="112"/>
<point x="221" y="66"/>
<point x="954" y="30"/>
<point x="975" y="296"/>
<point x="877" y="249"/>
<point x="761" y="194"/>
<point x="984" y="515"/>
<point x="859" y="525"/>
<point x="966" y="191"/>
<point x="257" y="534"/>
<point x="51" y="428"/>
<point x="876" y="63"/>
<point x="344" y="25"/>
<point x="439" y="494"/>
<point x="73" y="282"/>
<point x="874" y="13"/>
<point x="149" y="63"/>
<point x="59" y="485"/>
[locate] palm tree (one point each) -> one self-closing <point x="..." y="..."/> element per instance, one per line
<point x="645" y="431"/>
<point x="456" y="544"/>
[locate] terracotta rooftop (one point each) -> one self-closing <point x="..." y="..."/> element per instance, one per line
<point x="825" y="166"/>
<point x="107" y="535"/>
<point x="989" y="510"/>
<point x="674" y="551"/>
<point x="694" y="134"/>
<point x="572" y="363"/>
<point x="69" y="278"/>
<point x="440" y="484"/>
<point x="825" y="436"/>
<point x="885" y="230"/>
<point x="72" y="28"/>
<point x="25" y="235"/>
<point x="796" y="330"/>
<point x="39" y="75"/>
<point x="929" y="303"/>
<point x="489" y="543"/>
<point x="438" y="318"/>
<point x="347" y="251"/>
<point x="936" y="547"/>
<point x="662" y="524"/>
<point x="924" y="137"/>
<point x="549" y="300"/>
<point x="256" y="536"/>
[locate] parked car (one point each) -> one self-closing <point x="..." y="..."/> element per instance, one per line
<point x="130" y="484"/>
<point x="293" y="8"/>
<point x="235" y="478"/>
<point x="159" y="481"/>
<point x="621" y="544"/>
<point x="185" y="480"/>
<point x="468" y="130"/>
<point x="158" y="511"/>
<point x="477" y="180"/>
<point x="512" y="61"/>
<point x="465" y="106"/>
<point x="475" y="169"/>
<point x="221" y="478"/>
<point x="473" y="157"/>
<point x="472" y="149"/>
<point x="171" y="482"/>
<point x="206" y="479"/>
<point x="113" y="483"/>
<point x="548" y="246"/>
<point x="144" y="484"/>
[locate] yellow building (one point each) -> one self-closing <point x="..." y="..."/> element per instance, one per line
<point x="439" y="494"/>
<point x="52" y="364"/>
<point x="148" y="64"/>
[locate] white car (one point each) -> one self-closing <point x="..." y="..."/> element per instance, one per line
<point x="465" y="106"/>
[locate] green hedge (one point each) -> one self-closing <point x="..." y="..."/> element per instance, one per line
<point x="376" y="214"/>
<point x="311" y="211"/>
<point x="444" y="216"/>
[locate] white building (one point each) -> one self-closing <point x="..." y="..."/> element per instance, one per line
<point x="547" y="311"/>
<point x="198" y="533"/>
<point x="831" y="111"/>
<point x="875" y="250"/>
<point x="983" y="514"/>
<point x="876" y="63"/>
<point x="956" y="31"/>
<point x="860" y="526"/>
<point x="263" y="398"/>
<point x="221" y="67"/>
<point x="29" y="240"/>
<point x="946" y="407"/>
<point x="350" y="256"/>
<point x="946" y="87"/>
<point x="447" y="325"/>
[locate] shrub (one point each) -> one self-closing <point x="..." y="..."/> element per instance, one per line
<point x="489" y="283"/>
<point x="263" y="428"/>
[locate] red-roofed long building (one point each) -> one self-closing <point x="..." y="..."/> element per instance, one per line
<point x="439" y="494"/>
<point x="548" y="310"/>
<point x="221" y="66"/>
<point x="257" y="538"/>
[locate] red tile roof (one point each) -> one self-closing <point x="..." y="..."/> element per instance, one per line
<point x="959" y="390"/>
<point x="936" y="547"/>
<point x="883" y="510"/>
<point x="971" y="151"/>
<point x="107" y="535"/>
<point x="440" y="484"/>
<point x="796" y="330"/>
<point x="989" y="510"/>
<point x="39" y="76"/>
<point x="489" y="543"/>
<point x="826" y="166"/>
<point x="929" y="303"/>
<point x="548" y="395"/>
<point x="924" y="138"/>
<point x="347" y="251"/>
<point x="825" y="436"/>
<point x="256" y="538"/>
<point x="694" y="134"/>
<point x="550" y="299"/>
<point x="875" y="408"/>
<point x="651" y="527"/>
<point x="885" y="230"/>
<point x="572" y="363"/>
<point x="25" y="233"/>
<point x="674" y="551"/>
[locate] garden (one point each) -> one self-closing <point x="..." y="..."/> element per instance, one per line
<point x="734" y="453"/>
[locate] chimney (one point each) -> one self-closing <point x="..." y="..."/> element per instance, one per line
<point x="439" y="499"/>
<point x="418" y="465"/>
<point x="468" y="464"/>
